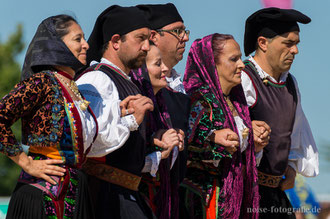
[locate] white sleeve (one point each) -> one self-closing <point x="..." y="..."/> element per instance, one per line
<point x="259" y="156"/>
<point x="303" y="157"/>
<point x="152" y="163"/>
<point x="102" y="93"/>
<point x="248" y="88"/>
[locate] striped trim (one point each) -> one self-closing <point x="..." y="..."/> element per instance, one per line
<point x="274" y="84"/>
<point x="74" y="135"/>
<point x="113" y="68"/>
<point x="279" y="85"/>
<point x="249" y="63"/>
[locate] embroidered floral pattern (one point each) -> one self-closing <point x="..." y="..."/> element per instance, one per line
<point x="206" y="115"/>
<point x="56" y="115"/>
<point x="38" y="102"/>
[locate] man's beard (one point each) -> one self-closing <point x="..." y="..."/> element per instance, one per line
<point x="137" y="62"/>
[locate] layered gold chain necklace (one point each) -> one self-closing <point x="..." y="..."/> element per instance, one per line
<point x="74" y="88"/>
<point x="245" y="132"/>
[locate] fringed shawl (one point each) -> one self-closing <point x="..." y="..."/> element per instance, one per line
<point x="201" y="72"/>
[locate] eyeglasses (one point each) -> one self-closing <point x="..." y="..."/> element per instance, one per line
<point x="180" y="33"/>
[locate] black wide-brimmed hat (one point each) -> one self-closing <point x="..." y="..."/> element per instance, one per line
<point x="270" y="22"/>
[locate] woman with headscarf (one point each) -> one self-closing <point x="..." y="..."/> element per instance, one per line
<point x="57" y="125"/>
<point x="221" y="161"/>
<point x="160" y="182"/>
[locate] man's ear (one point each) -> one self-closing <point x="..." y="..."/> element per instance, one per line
<point x="154" y="37"/>
<point x="115" y="41"/>
<point x="262" y="43"/>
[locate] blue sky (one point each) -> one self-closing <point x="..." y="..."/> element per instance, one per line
<point x="203" y="18"/>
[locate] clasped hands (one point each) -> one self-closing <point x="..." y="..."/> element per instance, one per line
<point x="137" y="105"/>
<point x="261" y="134"/>
<point x="230" y="140"/>
<point x="168" y="139"/>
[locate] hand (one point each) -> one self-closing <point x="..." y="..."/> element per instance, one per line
<point x="39" y="168"/>
<point x="141" y="106"/>
<point x="232" y="149"/>
<point x="157" y="138"/>
<point x="261" y="134"/>
<point x="171" y="139"/>
<point x="226" y="138"/>
<point x="288" y="182"/>
<point x="181" y="139"/>
<point x="44" y="168"/>
<point x="124" y="105"/>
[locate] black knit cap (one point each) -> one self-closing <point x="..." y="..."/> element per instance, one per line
<point x="113" y="20"/>
<point x="270" y="22"/>
<point x="160" y="15"/>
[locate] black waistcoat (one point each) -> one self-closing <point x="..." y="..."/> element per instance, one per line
<point x="131" y="156"/>
<point x="276" y="105"/>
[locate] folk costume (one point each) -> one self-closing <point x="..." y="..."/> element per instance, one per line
<point x="178" y="104"/>
<point x="114" y="178"/>
<point x="278" y="104"/>
<point x="217" y="183"/>
<point x="54" y="126"/>
<point x="161" y="189"/>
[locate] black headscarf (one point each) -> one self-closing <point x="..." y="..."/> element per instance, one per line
<point x="113" y="20"/>
<point x="47" y="49"/>
<point x="270" y="22"/>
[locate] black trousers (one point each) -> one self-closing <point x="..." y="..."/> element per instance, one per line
<point x="274" y="204"/>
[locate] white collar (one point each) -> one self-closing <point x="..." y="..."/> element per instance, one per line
<point x="264" y="74"/>
<point x="174" y="76"/>
<point x="106" y="61"/>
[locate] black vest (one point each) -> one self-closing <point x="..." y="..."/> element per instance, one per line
<point x="276" y="105"/>
<point x="131" y="156"/>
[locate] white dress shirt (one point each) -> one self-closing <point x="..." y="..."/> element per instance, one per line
<point x="103" y="95"/>
<point x="114" y="130"/>
<point x="175" y="82"/>
<point x="88" y="125"/>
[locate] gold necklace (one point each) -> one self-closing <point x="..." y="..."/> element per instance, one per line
<point x="245" y="132"/>
<point x="230" y="104"/>
<point x="74" y="88"/>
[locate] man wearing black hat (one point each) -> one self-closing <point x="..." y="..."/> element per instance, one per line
<point x="169" y="34"/>
<point x="120" y="42"/>
<point x="273" y="96"/>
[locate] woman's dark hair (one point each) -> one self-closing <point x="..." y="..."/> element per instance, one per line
<point x="62" y="22"/>
<point x="218" y="42"/>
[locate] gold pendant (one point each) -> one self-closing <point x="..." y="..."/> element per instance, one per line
<point x="265" y="81"/>
<point x="84" y="105"/>
<point x="74" y="87"/>
<point x="245" y="133"/>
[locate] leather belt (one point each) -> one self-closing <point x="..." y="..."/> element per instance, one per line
<point x="112" y="175"/>
<point x="269" y="180"/>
